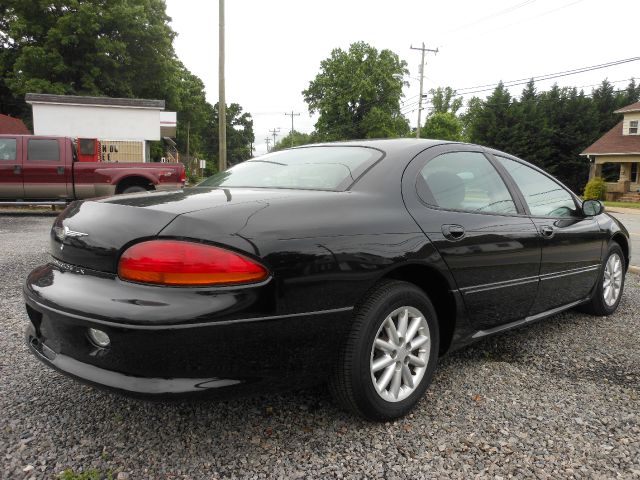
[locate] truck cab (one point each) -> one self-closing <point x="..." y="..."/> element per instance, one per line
<point x="35" y="167"/>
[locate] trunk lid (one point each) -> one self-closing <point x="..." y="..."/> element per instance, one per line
<point x="92" y="234"/>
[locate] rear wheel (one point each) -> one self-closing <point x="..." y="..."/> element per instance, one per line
<point x="608" y="291"/>
<point x="134" y="189"/>
<point x="390" y="355"/>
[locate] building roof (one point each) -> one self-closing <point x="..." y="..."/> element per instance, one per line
<point x="614" y="143"/>
<point x="13" y="126"/>
<point x="94" y="101"/>
<point x="634" y="107"/>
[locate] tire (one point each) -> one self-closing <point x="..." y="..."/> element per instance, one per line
<point x="134" y="189"/>
<point x="601" y="304"/>
<point x="352" y="382"/>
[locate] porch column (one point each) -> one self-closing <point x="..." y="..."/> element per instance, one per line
<point x="595" y="170"/>
<point x="625" y="177"/>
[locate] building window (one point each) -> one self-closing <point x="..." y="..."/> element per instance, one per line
<point x="634" y="172"/>
<point x="633" y="127"/>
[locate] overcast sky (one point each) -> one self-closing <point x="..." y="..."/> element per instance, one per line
<point x="274" y="48"/>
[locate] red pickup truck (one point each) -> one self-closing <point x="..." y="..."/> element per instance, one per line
<point x="45" y="169"/>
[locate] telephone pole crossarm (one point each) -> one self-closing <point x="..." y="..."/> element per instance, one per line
<point x="292" y="114"/>
<point x="274" y="132"/>
<point x="423" y="50"/>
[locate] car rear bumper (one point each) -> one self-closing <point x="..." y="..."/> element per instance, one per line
<point x="231" y="347"/>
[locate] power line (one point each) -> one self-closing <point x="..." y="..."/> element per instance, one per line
<point x="548" y="76"/>
<point x="489" y="17"/>
<point x="476" y="35"/>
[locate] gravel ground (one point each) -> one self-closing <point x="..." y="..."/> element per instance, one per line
<point x="560" y="398"/>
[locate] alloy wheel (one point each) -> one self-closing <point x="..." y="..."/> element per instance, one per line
<point x="400" y="354"/>
<point x="612" y="281"/>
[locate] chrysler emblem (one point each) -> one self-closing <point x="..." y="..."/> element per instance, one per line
<point x="66" y="232"/>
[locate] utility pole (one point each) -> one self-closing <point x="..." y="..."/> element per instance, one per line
<point x="423" y="50"/>
<point x="292" y="115"/>
<point x="275" y="132"/>
<point x="188" y="151"/>
<point x="222" y="107"/>
<point x="268" y="142"/>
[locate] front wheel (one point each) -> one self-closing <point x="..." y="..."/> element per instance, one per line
<point x="608" y="291"/>
<point x="389" y="357"/>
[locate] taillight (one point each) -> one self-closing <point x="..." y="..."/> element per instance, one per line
<point x="175" y="262"/>
<point x="183" y="175"/>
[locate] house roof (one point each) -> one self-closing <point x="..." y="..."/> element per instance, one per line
<point x="94" y="101"/>
<point x="634" y="107"/>
<point x="12" y="126"/>
<point x="613" y="142"/>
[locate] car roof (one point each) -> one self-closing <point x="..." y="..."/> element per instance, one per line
<point x="409" y="146"/>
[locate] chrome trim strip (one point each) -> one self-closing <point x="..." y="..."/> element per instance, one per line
<point x="526" y="280"/>
<point x="564" y="273"/>
<point x="504" y="284"/>
<point x="131" y="326"/>
<point x="527" y="320"/>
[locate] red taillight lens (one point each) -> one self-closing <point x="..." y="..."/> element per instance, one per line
<point x="174" y="262"/>
<point x="183" y="175"/>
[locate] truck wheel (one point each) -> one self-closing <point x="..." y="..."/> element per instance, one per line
<point x="134" y="189"/>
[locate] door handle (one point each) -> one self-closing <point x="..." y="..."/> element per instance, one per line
<point x="60" y="170"/>
<point x="453" y="232"/>
<point x="547" y="231"/>
<point x="17" y="170"/>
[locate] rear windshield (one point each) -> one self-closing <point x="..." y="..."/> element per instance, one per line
<point x="310" y="168"/>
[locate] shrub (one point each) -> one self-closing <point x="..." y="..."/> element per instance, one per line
<point x="595" y="189"/>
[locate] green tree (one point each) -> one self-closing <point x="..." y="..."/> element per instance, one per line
<point x="493" y="123"/>
<point x="445" y="100"/>
<point x="294" y="139"/>
<point x="120" y="48"/>
<point x="240" y="134"/>
<point x="442" y="126"/>
<point x="357" y="94"/>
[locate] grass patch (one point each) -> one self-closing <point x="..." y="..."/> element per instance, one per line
<point x="623" y="204"/>
<point x="92" y="474"/>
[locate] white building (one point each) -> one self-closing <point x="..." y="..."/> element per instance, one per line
<point x="120" y="124"/>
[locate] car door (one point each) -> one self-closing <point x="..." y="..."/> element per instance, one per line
<point x="46" y="174"/>
<point x="11" y="187"/>
<point x="571" y="243"/>
<point x="462" y="203"/>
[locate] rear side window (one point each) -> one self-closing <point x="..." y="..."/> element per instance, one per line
<point x="545" y="197"/>
<point x="310" y="168"/>
<point x="7" y="149"/>
<point x="43" y="149"/>
<point x="464" y="181"/>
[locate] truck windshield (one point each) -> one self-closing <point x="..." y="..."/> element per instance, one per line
<point x="308" y="168"/>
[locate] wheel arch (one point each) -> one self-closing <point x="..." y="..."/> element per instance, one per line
<point x="434" y="284"/>
<point x="621" y="240"/>
<point x="134" y="180"/>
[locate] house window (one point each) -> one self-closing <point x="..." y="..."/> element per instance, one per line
<point x="633" y="127"/>
<point x="634" y="172"/>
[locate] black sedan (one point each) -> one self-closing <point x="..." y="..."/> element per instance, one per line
<point x="357" y="263"/>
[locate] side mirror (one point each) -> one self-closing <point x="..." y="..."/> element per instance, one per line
<point x="591" y="208"/>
